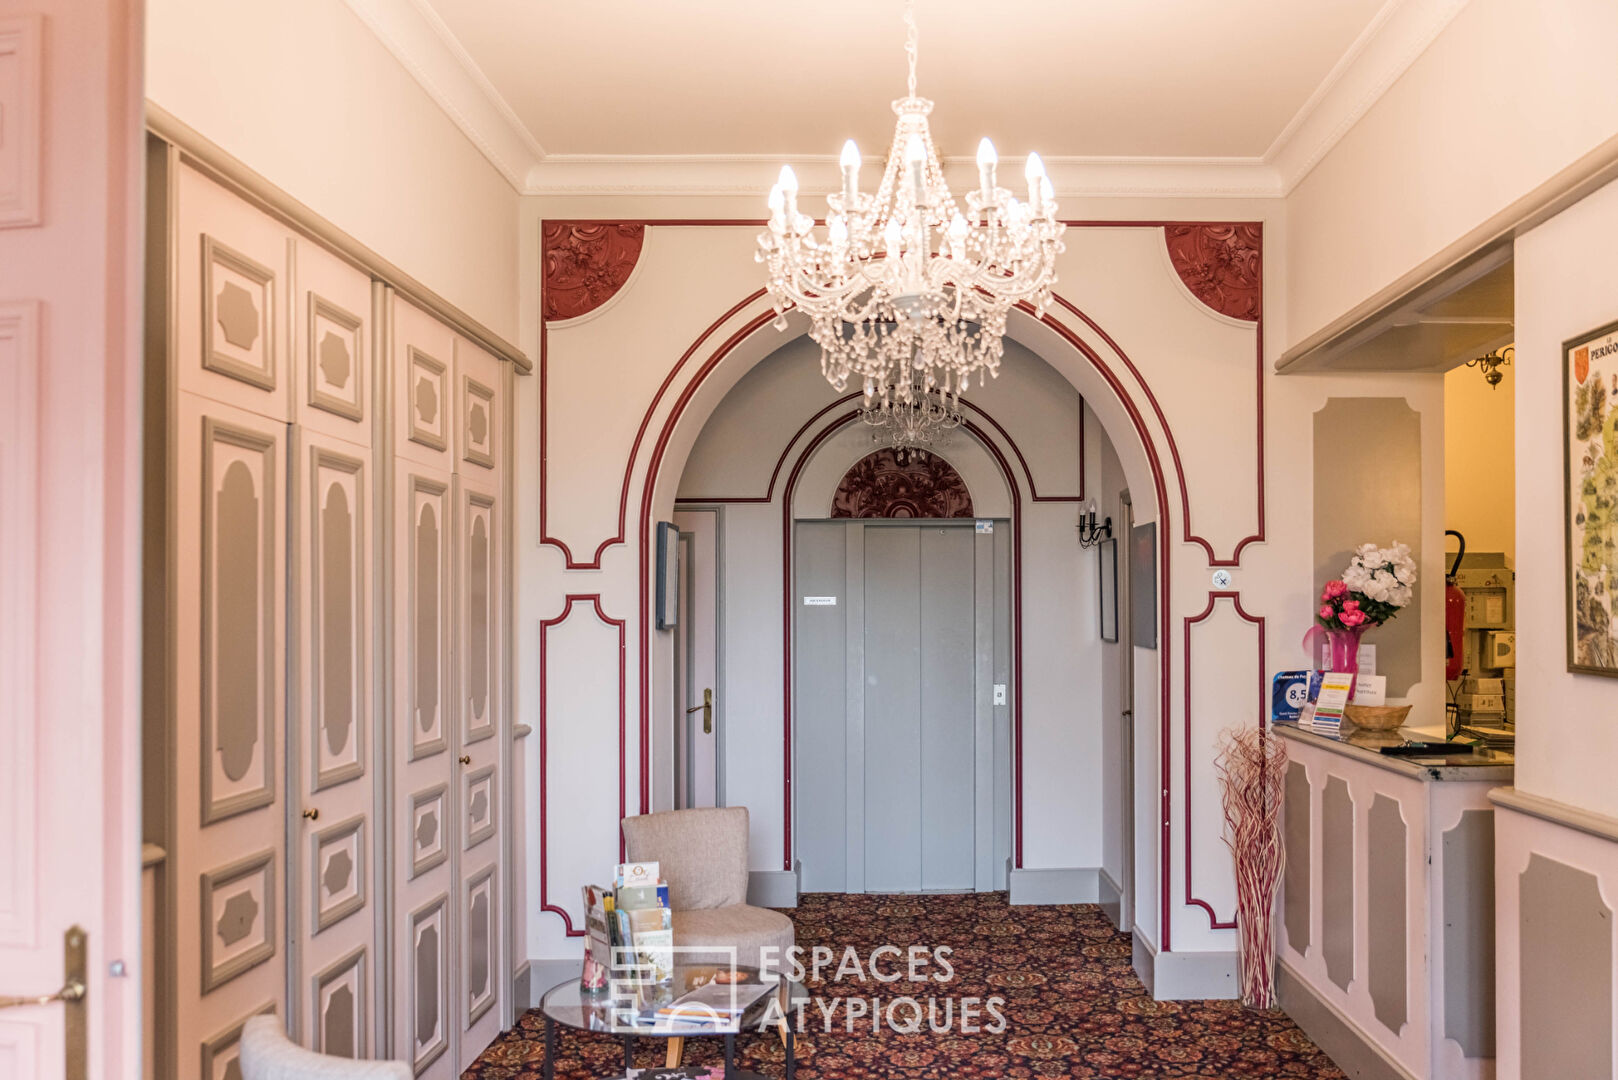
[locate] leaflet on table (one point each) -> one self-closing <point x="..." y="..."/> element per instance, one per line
<point x="1335" y="687"/>
<point x="638" y="873"/>
<point x="714" y="1003"/>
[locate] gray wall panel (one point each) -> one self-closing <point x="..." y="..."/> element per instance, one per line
<point x="1468" y="853"/>
<point x="1566" y="945"/>
<point x="1295" y="897"/>
<point x="1385" y="882"/>
<point x="1337" y="881"/>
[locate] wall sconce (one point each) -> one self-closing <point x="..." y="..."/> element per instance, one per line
<point x="1090" y="533"/>
<point x="1492" y="363"/>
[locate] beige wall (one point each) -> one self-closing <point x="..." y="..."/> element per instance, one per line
<point x="305" y="95"/>
<point x="1566" y="738"/>
<point x="1512" y="93"/>
<point x="1479" y="470"/>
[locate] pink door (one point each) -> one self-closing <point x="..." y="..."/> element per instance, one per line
<point x="70" y="453"/>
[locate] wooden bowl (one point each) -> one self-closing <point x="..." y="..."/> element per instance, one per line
<point x="1376" y="717"/>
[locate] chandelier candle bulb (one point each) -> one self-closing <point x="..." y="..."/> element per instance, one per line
<point x="987" y="159"/>
<point x="789" y="195"/>
<point x="851" y="175"/>
<point x="1035" y="172"/>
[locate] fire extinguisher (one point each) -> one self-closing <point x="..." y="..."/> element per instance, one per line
<point x="1454" y="615"/>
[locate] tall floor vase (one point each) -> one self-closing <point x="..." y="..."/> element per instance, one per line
<point x="1251" y="764"/>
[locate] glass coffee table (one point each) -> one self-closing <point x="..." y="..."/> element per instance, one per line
<point x="631" y="1015"/>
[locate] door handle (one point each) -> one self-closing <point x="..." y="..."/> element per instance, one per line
<point x="706" y="708"/>
<point x="72" y="994"/>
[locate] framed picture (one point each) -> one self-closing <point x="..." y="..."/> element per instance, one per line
<point x="1107" y="552"/>
<point x="668" y="575"/>
<point x="1590" y="485"/>
<point x="1143" y="585"/>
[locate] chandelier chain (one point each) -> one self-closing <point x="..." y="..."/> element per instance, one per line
<point x="912" y="36"/>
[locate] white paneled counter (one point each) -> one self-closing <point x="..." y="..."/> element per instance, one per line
<point x="1386" y="953"/>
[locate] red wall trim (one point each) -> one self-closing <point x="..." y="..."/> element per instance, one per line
<point x="1214" y="921"/>
<point x="594" y="599"/>
<point x="769" y="492"/>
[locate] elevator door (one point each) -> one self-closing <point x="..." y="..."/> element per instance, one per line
<point x="896" y="706"/>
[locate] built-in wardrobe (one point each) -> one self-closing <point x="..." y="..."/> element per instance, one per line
<point x="329" y="761"/>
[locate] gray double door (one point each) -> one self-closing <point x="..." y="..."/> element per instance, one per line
<point x="902" y="705"/>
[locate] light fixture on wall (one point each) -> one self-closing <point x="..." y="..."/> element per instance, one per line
<point x="1491" y="363"/>
<point x="1091" y="533"/>
<point x="904" y="290"/>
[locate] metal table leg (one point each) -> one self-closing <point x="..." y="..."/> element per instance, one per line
<point x="629" y="1052"/>
<point x="790" y="1041"/>
<point x="730" y="1056"/>
<point x="549" y="1070"/>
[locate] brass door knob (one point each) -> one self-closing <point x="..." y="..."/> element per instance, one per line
<point x="313" y="813"/>
<point x="466" y="759"/>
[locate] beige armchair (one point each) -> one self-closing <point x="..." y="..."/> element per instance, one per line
<point x="703" y="856"/>
<point x="267" y="1054"/>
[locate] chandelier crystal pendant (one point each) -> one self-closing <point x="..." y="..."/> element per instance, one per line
<point x="913" y="422"/>
<point x="905" y="292"/>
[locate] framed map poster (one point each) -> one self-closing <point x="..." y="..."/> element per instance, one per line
<point x="1590" y="440"/>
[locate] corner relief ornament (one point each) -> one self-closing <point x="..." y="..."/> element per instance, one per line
<point x="1222" y="265"/>
<point x="924" y="485"/>
<point x="585" y="264"/>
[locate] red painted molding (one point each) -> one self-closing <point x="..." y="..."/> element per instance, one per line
<point x="1222" y="264"/>
<point x="585" y="264"/>
<point x="629" y="466"/>
<point x="594" y="599"/>
<point x="879" y="485"/>
<point x="780" y="461"/>
<point x="1214" y="921"/>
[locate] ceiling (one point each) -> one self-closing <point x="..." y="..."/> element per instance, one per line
<point x="1110" y="78"/>
<point x="1174" y="97"/>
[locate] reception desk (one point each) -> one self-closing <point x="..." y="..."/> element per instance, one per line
<point x="1386" y="954"/>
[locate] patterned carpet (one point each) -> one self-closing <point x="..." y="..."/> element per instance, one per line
<point x="1073" y="1006"/>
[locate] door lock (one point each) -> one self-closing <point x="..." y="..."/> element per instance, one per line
<point x="706" y="708"/>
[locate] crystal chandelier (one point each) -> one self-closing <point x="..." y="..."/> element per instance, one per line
<point x="913" y="421"/>
<point x="903" y="290"/>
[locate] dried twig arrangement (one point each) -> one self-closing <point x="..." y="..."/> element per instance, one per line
<point x="1251" y="763"/>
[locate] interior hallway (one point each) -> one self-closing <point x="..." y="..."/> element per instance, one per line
<point x="1074" y="1007"/>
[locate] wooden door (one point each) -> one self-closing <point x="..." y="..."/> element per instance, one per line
<point x="334" y="915"/>
<point x="70" y="501"/>
<point x="481" y="734"/>
<point x="422" y="725"/>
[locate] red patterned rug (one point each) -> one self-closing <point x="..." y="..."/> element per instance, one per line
<point x="1073" y="1008"/>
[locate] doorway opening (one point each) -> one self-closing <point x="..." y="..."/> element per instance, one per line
<point x="698" y="736"/>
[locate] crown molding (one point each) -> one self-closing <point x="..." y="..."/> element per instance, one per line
<point x="1391" y="42"/>
<point x="419" y="39"/>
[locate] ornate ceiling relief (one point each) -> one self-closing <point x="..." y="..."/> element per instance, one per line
<point x="924" y="485"/>
<point x="1222" y="265"/>
<point x="585" y="264"/>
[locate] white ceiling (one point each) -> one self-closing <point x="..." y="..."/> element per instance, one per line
<point x="596" y="93"/>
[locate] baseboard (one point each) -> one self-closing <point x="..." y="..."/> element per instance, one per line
<point x="772" y="888"/>
<point x="1184" y="976"/>
<point x="544" y="974"/>
<point x="1055" y="885"/>
<point x="1111" y="898"/>
<point x="1350" y="1050"/>
<point x="522" y="991"/>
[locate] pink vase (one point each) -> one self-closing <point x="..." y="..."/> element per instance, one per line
<point x="1343" y="649"/>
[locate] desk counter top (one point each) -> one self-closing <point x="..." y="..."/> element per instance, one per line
<point x="1494" y="767"/>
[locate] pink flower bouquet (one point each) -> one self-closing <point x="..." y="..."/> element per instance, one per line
<point x="1375" y="585"/>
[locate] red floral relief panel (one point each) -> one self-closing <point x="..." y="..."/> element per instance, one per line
<point x="586" y="263"/>
<point x="923" y="485"/>
<point x="1222" y="265"/>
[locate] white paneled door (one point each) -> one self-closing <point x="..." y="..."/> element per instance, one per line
<point x="70" y="567"/>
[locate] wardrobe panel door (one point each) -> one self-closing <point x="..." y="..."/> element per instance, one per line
<point x="334" y="912"/>
<point x="421" y="365"/>
<point x="228" y="621"/>
<point x="479" y="555"/>
<point x="425" y="843"/>
<point x="480" y="415"/>
<point x="331" y="345"/>
<point x="231" y="263"/>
